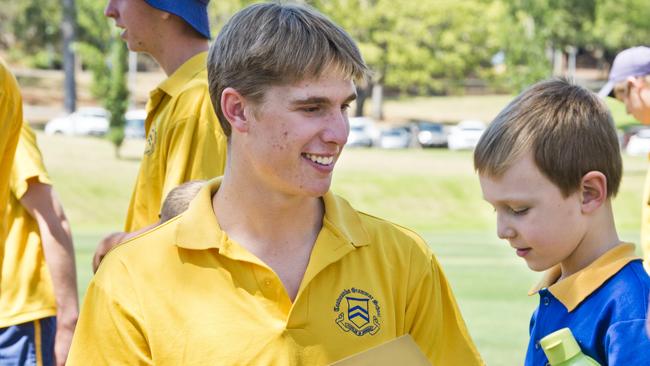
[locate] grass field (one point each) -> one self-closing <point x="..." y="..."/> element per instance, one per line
<point x="434" y="192"/>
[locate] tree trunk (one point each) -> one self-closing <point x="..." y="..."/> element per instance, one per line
<point x="378" y="101"/>
<point x="362" y="95"/>
<point x="68" y="27"/>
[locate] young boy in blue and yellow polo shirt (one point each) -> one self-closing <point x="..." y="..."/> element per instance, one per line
<point x="549" y="164"/>
<point x="267" y="266"/>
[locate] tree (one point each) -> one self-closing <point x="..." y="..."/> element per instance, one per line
<point x="68" y="27"/>
<point x="117" y="99"/>
<point x="426" y="46"/>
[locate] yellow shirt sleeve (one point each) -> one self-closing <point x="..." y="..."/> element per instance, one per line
<point x="28" y="163"/>
<point x="110" y="328"/>
<point x="435" y="322"/>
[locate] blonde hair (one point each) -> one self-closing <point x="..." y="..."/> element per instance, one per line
<point x="272" y="44"/>
<point x="178" y="199"/>
<point x="568" y="130"/>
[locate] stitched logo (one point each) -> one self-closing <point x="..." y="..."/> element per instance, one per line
<point x="151" y="141"/>
<point x="358" y="312"/>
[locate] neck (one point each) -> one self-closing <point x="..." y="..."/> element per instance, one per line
<point x="265" y="221"/>
<point x="171" y="57"/>
<point x="600" y="237"/>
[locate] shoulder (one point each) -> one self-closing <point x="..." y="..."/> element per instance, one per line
<point x="626" y="294"/>
<point x="140" y="257"/>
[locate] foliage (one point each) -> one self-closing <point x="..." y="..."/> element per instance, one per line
<point x="117" y="99"/>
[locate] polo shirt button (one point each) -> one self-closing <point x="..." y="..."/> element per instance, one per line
<point x="267" y="283"/>
<point x="546" y="301"/>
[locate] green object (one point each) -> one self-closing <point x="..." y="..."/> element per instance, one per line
<point x="562" y="349"/>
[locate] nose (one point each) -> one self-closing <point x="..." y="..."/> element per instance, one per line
<point x="337" y="128"/>
<point x="504" y="229"/>
<point x="110" y="10"/>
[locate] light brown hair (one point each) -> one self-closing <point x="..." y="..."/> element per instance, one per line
<point x="273" y="44"/>
<point x="179" y="198"/>
<point x="568" y="130"/>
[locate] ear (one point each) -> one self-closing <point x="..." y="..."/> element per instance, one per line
<point x="593" y="188"/>
<point x="233" y="107"/>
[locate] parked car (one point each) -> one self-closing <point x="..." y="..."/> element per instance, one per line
<point x="134" y="127"/>
<point x="85" y="121"/>
<point x="361" y="132"/>
<point x="465" y="135"/>
<point x="639" y="143"/>
<point x="430" y="134"/>
<point x="395" y="138"/>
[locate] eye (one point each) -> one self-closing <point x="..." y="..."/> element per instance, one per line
<point x="345" y="107"/>
<point x="519" y="211"/>
<point x="311" y="109"/>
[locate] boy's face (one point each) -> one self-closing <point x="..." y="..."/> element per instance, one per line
<point x="542" y="226"/>
<point x="635" y="94"/>
<point x="139" y="21"/>
<point x="296" y="134"/>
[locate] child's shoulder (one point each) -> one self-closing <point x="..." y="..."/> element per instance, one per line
<point x="628" y="291"/>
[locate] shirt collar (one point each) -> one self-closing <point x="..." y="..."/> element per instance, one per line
<point x="198" y="227"/>
<point x="574" y="289"/>
<point x="175" y="83"/>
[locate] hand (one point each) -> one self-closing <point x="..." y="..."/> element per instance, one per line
<point x="64" y="330"/>
<point x="106" y="245"/>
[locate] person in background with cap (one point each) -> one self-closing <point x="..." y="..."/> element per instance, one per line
<point x="184" y="139"/>
<point x="629" y="82"/>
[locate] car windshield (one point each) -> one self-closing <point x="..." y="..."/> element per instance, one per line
<point x="433" y="128"/>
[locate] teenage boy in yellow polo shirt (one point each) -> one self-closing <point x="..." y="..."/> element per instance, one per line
<point x="11" y="118"/>
<point x="184" y="141"/>
<point x="267" y="266"/>
<point x="38" y="305"/>
<point x="549" y="164"/>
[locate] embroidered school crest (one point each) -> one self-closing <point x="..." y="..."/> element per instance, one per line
<point x="151" y="141"/>
<point x="358" y="312"/>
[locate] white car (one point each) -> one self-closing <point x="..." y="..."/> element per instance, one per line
<point x="361" y="132"/>
<point x="465" y="135"/>
<point x="395" y="138"/>
<point x="639" y="143"/>
<point x="134" y="127"/>
<point x="85" y="121"/>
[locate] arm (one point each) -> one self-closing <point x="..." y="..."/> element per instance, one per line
<point x="41" y="203"/>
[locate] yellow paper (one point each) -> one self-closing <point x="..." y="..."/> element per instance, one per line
<point x="399" y="351"/>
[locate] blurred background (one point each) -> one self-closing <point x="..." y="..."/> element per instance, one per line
<point x="442" y="70"/>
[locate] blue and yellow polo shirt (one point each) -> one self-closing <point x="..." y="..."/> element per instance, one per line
<point x="185" y="293"/>
<point x="184" y="141"/>
<point x="605" y="305"/>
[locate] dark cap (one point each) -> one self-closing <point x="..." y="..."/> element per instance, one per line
<point x="193" y="12"/>
<point x="633" y="61"/>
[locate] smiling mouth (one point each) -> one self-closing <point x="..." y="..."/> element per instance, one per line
<point x="319" y="159"/>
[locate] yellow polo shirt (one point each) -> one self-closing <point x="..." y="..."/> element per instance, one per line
<point x="184" y="141"/>
<point x="26" y="285"/>
<point x="645" y="223"/>
<point x="11" y="118"/>
<point x="185" y="293"/>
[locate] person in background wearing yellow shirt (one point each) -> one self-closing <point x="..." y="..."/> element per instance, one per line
<point x="267" y="266"/>
<point x="11" y="118"/>
<point x="184" y="141"/>
<point x="629" y="82"/>
<point x="38" y="301"/>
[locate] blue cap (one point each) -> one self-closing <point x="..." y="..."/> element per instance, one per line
<point x="633" y="61"/>
<point x="193" y="12"/>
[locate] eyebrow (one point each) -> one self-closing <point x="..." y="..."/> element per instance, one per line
<point x="322" y="100"/>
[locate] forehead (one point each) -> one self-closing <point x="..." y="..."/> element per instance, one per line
<point x="331" y="86"/>
<point x="522" y="180"/>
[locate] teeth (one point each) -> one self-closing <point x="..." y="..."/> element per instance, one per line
<point x="322" y="160"/>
